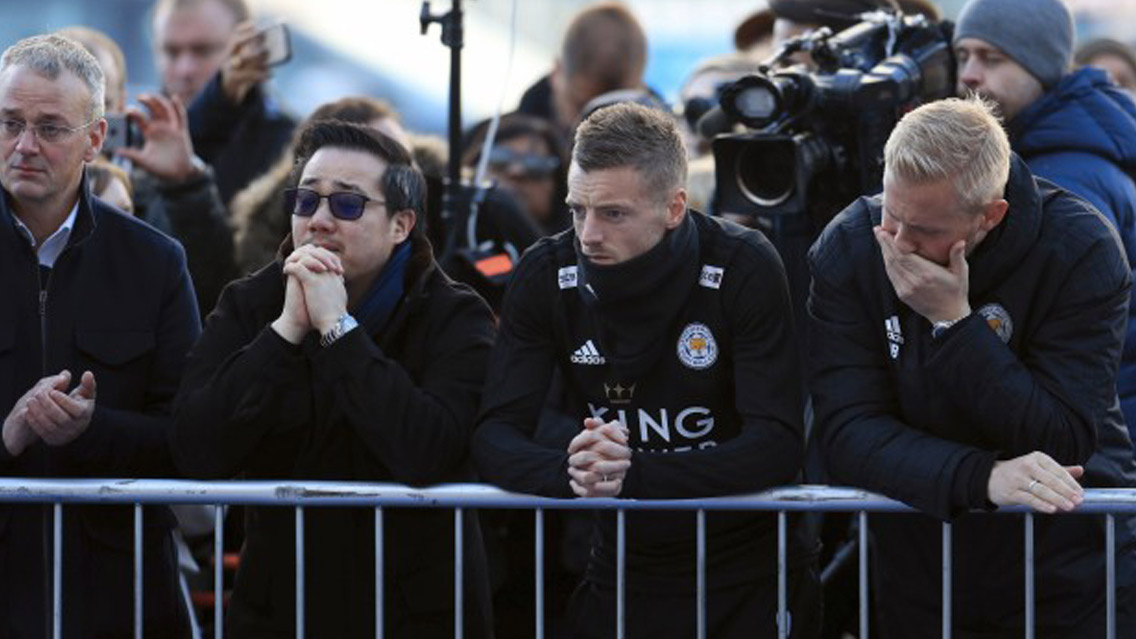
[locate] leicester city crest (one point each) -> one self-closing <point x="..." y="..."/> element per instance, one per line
<point x="696" y="346"/>
<point x="998" y="320"/>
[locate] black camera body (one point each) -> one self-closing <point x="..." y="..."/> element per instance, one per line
<point x="818" y="135"/>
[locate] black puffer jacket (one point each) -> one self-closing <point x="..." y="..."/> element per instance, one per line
<point x="923" y="420"/>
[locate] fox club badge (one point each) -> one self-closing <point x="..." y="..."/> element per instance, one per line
<point x="998" y="320"/>
<point x="697" y="348"/>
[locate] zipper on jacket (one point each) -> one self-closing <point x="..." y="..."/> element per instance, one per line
<point x="43" y="286"/>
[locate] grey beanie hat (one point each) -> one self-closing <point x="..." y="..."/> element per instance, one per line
<point x="1037" y="34"/>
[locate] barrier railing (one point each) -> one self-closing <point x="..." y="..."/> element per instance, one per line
<point x="462" y="497"/>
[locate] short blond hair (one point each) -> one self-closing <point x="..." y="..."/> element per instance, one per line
<point x="955" y="139"/>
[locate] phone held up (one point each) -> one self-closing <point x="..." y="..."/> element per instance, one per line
<point x="277" y="43"/>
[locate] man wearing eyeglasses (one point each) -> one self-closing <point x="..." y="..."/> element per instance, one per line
<point x="351" y="358"/>
<point x="98" y="315"/>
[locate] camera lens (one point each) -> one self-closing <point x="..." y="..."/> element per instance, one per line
<point x="764" y="172"/>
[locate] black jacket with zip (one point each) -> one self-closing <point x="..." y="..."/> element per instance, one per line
<point x="923" y="419"/>
<point x="396" y="407"/>
<point x="119" y="302"/>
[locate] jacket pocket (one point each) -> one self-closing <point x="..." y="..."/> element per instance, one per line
<point x="114" y="348"/>
<point x="122" y="361"/>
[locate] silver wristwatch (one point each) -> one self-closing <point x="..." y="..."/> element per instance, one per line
<point x="938" y="328"/>
<point x="339" y="329"/>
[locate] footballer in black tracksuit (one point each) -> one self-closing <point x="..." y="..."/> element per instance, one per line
<point x="711" y="400"/>
<point x="923" y="418"/>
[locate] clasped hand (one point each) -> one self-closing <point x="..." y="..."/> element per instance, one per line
<point x="315" y="296"/>
<point x="936" y="292"/>
<point x="598" y="459"/>
<point x="49" y="413"/>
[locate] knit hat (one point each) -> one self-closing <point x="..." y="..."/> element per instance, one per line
<point x="1037" y="34"/>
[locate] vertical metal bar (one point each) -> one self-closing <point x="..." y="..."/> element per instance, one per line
<point x="700" y="551"/>
<point x="538" y="544"/>
<point x="1110" y="575"/>
<point x="218" y="571"/>
<point x="137" y="571"/>
<point x="57" y="571"/>
<point x="947" y="580"/>
<point x="620" y="577"/>
<point x="299" y="572"/>
<point x="459" y="613"/>
<point x="379" y="572"/>
<point x="863" y="533"/>
<point x="1029" y="577"/>
<point x="782" y="576"/>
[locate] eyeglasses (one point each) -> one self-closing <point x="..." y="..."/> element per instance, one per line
<point x="50" y="133"/>
<point x="344" y="205"/>
<point x="502" y="158"/>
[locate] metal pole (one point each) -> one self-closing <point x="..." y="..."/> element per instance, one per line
<point x="459" y="570"/>
<point x="299" y="572"/>
<point x="538" y="543"/>
<point x="1110" y="576"/>
<point x="863" y="533"/>
<point x="782" y="576"/>
<point x="137" y="571"/>
<point x="700" y="551"/>
<point x="218" y="571"/>
<point x="620" y="576"/>
<point x="57" y="571"/>
<point x="1029" y="577"/>
<point x="947" y="551"/>
<point x="379" y="572"/>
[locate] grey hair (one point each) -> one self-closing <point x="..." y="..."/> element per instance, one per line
<point x="632" y="135"/>
<point x="49" y="55"/>
<point x="954" y="139"/>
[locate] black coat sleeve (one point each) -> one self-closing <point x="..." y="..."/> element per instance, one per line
<point x="864" y="440"/>
<point x="769" y="447"/>
<point x="134" y="443"/>
<point x="200" y="221"/>
<point x="242" y="383"/>
<point x="1053" y="393"/>
<point x="520" y="372"/>
<point x="418" y="428"/>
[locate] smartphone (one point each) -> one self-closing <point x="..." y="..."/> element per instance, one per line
<point x="277" y="42"/>
<point x="121" y="132"/>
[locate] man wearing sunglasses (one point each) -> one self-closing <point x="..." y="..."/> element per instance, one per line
<point x="98" y="315"/>
<point x="352" y="357"/>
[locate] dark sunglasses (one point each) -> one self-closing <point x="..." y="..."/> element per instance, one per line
<point x="501" y="158"/>
<point x="344" y="205"/>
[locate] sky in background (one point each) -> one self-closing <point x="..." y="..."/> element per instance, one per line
<point x="375" y="46"/>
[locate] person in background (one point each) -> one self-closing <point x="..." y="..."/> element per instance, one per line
<point x="1115" y="57"/>
<point x="211" y="57"/>
<point x="1074" y="128"/>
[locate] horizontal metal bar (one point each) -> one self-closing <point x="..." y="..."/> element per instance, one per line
<point x="321" y="493"/>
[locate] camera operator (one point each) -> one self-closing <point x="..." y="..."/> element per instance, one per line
<point x="1076" y="129"/>
<point x="966" y="327"/>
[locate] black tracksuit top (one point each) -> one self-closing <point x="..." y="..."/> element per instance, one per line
<point x="718" y="414"/>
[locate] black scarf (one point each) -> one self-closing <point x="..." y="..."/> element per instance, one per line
<point x="636" y="303"/>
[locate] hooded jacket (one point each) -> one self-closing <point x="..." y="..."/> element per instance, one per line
<point x="923" y="419"/>
<point x="1081" y="135"/>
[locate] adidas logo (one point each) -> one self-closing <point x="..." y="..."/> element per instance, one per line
<point x="588" y="355"/>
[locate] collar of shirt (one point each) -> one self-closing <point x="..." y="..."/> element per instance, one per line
<point x="49" y="251"/>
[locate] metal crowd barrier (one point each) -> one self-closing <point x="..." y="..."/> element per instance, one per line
<point x="461" y="497"/>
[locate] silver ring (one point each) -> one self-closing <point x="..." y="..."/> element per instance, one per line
<point x="1029" y="489"/>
